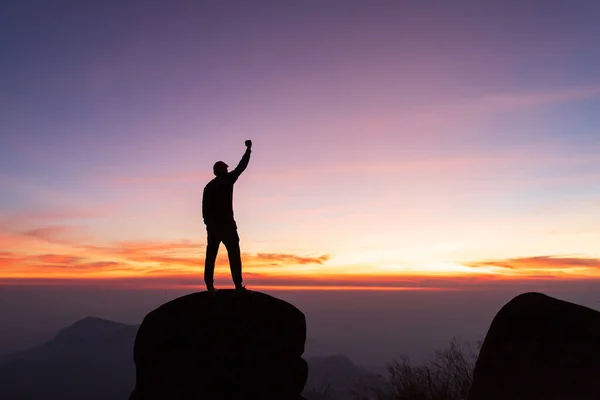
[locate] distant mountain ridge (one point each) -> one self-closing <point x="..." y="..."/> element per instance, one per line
<point x="83" y="332"/>
<point x="93" y="359"/>
<point x="336" y="376"/>
<point x="92" y="328"/>
<point x="90" y="359"/>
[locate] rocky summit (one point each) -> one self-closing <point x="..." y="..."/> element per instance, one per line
<point x="225" y="345"/>
<point x="539" y="348"/>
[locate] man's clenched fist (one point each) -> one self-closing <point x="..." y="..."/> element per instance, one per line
<point x="248" y="143"/>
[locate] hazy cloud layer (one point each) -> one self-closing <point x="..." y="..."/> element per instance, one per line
<point x="132" y="258"/>
<point x="551" y="264"/>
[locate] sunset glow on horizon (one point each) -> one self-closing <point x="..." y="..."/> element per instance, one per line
<point x="396" y="147"/>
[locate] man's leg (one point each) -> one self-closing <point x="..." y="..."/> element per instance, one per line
<point x="212" y="248"/>
<point x="231" y="240"/>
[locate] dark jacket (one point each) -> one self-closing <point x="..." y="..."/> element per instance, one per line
<point x="217" y="199"/>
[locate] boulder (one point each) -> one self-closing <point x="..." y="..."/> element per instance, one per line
<point x="539" y="348"/>
<point x="221" y="346"/>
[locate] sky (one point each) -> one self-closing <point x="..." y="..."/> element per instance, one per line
<point x="398" y="145"/>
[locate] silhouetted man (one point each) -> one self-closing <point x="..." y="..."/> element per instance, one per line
<point x="217" y="211"/>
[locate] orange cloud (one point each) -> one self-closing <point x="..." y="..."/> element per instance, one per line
<point x="48" y="236"/>
<point x="49" y="233"/>
<point x="173" y="261"/>
<point x="12" y="241"/>
<point x="8" y="260"/>
<point x="57" y="259"/>
<point x="276" y="259"/>
<point x="550" y="264"/>
<point x="189" y="253"/>
<point x="133" y="247"/>
<point x="15" y="265"/>
<point x="134" y="258"/>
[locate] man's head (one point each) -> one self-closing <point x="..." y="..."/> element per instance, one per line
<point x="220" y="168"/>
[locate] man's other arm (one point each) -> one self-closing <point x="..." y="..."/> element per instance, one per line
<point x="205" y="206"/>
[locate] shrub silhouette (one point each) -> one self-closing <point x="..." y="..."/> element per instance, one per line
<point x="447" y="377"/>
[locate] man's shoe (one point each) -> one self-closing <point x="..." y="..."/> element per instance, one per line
<point x="241" y="289"/>
<point x="211" y="290"/>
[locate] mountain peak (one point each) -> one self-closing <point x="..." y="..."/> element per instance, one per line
<point x="90" y="328"/>
<point x="338" y="359"/>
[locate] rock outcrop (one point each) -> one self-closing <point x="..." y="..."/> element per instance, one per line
<point x="221" y="346"/>
<point x="540" y="348"/>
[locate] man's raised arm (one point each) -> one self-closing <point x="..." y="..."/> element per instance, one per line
<point x="241" y="167"/>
